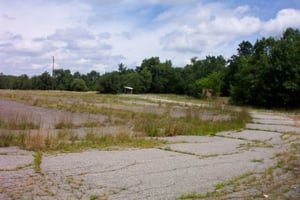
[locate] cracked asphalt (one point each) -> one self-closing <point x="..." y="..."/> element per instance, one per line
<point x="187" y="164"/>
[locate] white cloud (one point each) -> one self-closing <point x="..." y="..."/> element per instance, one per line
<point x="213" y="28"/>
<point x="242" y="9"/>
<point x="285" y="18"/>
<point x="83" y="61"/>
<point x="207" y="27"/>
<point x="171" y="2"/>
<point x="98" y="35"/>
<point x="37" y="18"/>
<point x="6" y="17"/>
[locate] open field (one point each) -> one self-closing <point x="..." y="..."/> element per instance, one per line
<point x="68" y="145"/>
<point x="146" y="115"/>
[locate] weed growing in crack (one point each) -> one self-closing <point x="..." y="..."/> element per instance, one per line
<point x="38" y="161"/>
<point x="257" y="160"/>
<point x="94" y="197"/>
<point x="280" y="181"/>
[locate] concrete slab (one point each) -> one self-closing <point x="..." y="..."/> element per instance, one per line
<point x="188" y="139"/>
<point x="12" y="158"/>
<point x="276" y="128"/>
<point x="217" y="146"/>
<point x="268" y="115"/>
<point x="274" y="121"/>
<point x="188" y="164"/>
<point x="151" y="173"/>
<point x="253" y="135"/>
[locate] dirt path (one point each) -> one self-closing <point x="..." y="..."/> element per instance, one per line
<point x="189" y="164"/>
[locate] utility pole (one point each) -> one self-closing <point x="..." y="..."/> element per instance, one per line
<point x="53" y="78"/>
<point x="53" y="67"/>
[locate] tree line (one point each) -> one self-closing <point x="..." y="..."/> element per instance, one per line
<point x="266" y="73"/>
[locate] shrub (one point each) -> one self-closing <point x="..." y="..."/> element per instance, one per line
<point x="79" y="85"/>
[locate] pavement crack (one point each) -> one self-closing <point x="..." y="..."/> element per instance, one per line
<point x="178" y="151"/>
<point x="18" y="167"/>
<point x="111" y="170"/>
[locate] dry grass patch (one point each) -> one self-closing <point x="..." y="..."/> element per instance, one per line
<point x="15" y="121"/>
<point x="65" y="141"/>
<point x="191" y="124"/>
<point x="216" y="117"/>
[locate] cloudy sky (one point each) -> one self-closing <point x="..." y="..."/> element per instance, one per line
<point x="86" y="35"/>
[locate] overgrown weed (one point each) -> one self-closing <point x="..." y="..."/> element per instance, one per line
<point x="191" y="124"/>
<point x="280" y="181"/>
<point x="150" y="124"/>
<point x="38" y="161"/>
<point x="66" y="141"/>
<point x="17" y="122"/>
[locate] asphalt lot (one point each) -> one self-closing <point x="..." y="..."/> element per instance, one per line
<point x="187" y="164"/>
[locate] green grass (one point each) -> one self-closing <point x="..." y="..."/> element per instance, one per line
<point x="65" y="141"/>
<point x="189" y="125"/>
<point x="120" y="140"/>
<point x="38" y="161"/>
<point x="142" y="123"/>
<point x="150" y="124"/>
<point x="64" y="125"/>
<point x="18" y="130"/>
<point x="255" y="144"/>
<point x="220" y="188"/>
<point x="277" y="182"/>
<point x="17" y="122"/>
<point x="257" y="160"/>
<point x="9" y="138"/>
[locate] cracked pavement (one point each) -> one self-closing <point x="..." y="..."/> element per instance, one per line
<point x="186" y="164"/>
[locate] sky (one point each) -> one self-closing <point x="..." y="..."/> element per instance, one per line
<point x="85" y="35"/>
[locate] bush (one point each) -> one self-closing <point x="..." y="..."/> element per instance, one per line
<point x="79" y="85"/>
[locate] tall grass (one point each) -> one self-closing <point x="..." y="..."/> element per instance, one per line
<point x="17" y="122"/>
<point x="67" y="141"/>
<point x="149" y="124"/>
<point x="191" y="124"/>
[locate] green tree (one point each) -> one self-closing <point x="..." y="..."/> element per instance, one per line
<point x="270" y="76"/>
<point x="245" y="51"/>
<point x="77" y="75"/>
<point x="22" y="82"/>
<point x="6" y="81"/>
<point x="62" y="79"/>
<point x="43" y="82"/>
<point x="91" y="79"/>
<point x="111" y="83"/>
<point x="199" y="69"/>
<point x="146" y="80"/>
<point x="212" y="83"/>
<point x="132" y="80"/>
<point x="161" y="74"/>
<point x="79" y="85"/>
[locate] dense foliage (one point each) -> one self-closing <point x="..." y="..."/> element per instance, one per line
<point x="266" y="73"/>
